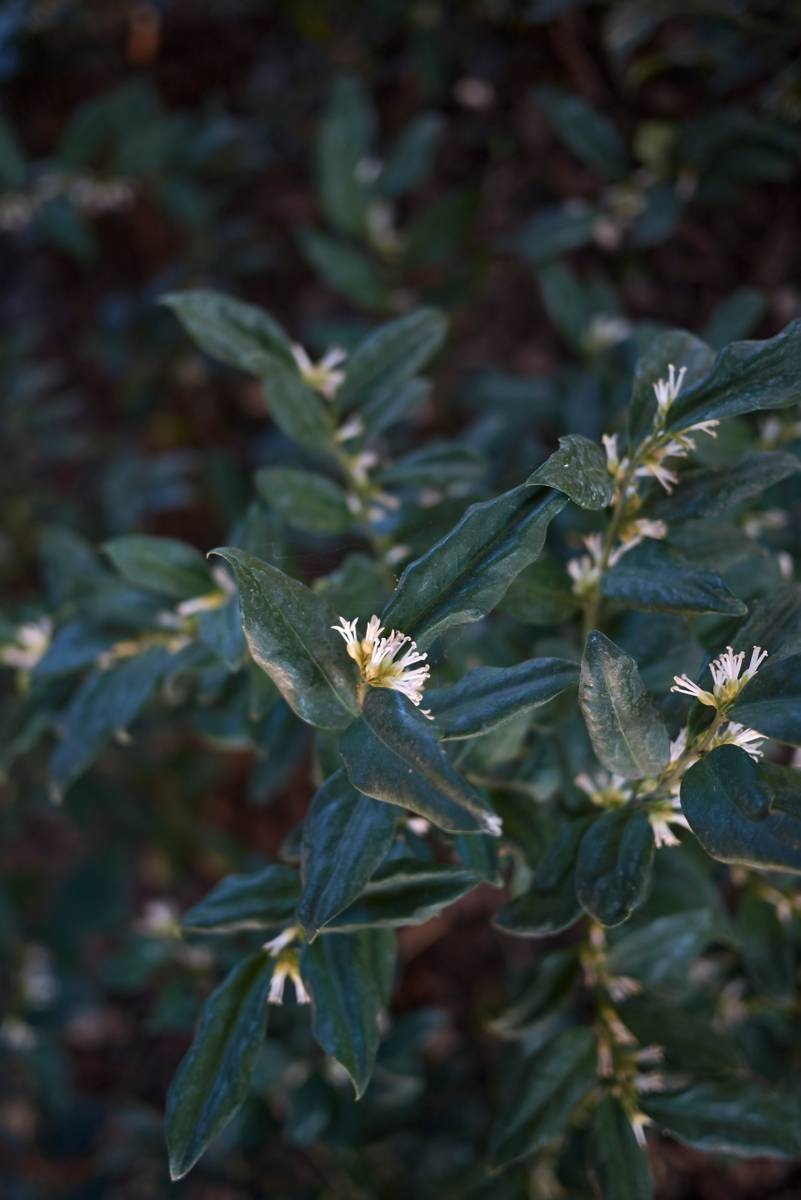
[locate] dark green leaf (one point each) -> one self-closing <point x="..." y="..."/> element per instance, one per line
<point x="13" y="171"/>
<point x="614" y="865"/>
<point x="289" y="632"/>
<point x="727" y="804"/>
<point x="626" y="729"/>
<point x="488" y="696"/>
<point x="662" y="950"/>
<point x="390" y="356"/>
<point x="673" y="347"/>
<point x="464" y="575"/>
<point x="706" y="493"/>
<point x="550" y="1084"/>
<point x="346" y="836"/>
<point x="590" y="136"/>
<point x="213" y="1079"/>
<point x="739" y="1118"/>
<point x="236" y="333"/>
<point x="305" y="499"/>
<point x="257" y="901"/>
<point x="578" y="468"/>
<point x="541" y="595"/>
<point x="344" y="140"/>
<point x="405" y="892"/>
<point x="412" y="155"/>
<point x="550" y="905"/>
<point x="651" y="578"/>
<point x="392" y="754"/>
<point x="622" y="1166"/>
<point x="771" y="701"/>
<point x="161" y="565"/>
<point x="349" y="978"/>
<point x="302" y="413"/>
<point x="344" y="269"/>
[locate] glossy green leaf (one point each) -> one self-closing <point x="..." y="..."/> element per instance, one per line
<point x="105" y="703"/>
<point x="213" y="1080"/>
<point x="392" y="754"/>
<point x="464" y="575"/>
<point x="259" y="900"/>
<point x="706" y="493"/>
<point x="738" y="1118"/>
<point x="551" y="1082"/>
<point x="550" y="904"/>
<point x="161" y="565"/>
<point x="305" y="499"/>
<point x="232" y="331"/>
<point x="771" y="701"/>
<point x="614" y="865"/>
<point x="487" y="696"/>
<point x="621" y="1165"/>
<point x="578" y="468"/>
<point x="626" y="729"/>
<point x="745" y="377"/>
<point x="661" y="951"/>
<point x="405" y="891"/>
<point x="390" y="356"/>
<point x="773" y="623"/>
<point x="736" y="815"/>
<point x="349" y="978"/>
<point x="289" y="633"/>
<point x="653" y="579"/>
<point x="346" y="837"/>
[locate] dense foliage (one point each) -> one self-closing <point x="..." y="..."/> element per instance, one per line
<point x="466" y="717"/>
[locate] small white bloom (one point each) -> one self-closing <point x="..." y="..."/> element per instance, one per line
<point x="352" y="428"/>
<point x="727" y="680"/>
<point x="377" y="659"/>
<point x="605" y="331"/>
<point x="323" y="375"/>
<point x="666" y="390"/>
<point x="585" y="571"/>
<point x="17" y="1035"/>
<point x="31" y="641"/>
<point x="608" y="791"/>
<point x="738" y="735"/>
<point x="279" y="943"/>
<point x="287" y="967"/>
<point x="160" y="919"/>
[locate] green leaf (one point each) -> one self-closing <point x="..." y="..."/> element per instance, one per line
<point x="289" y="632"/>
<point x="390" y="356"/>
<point x="344" y="269"/>
<point x="661" y="952"/>
<point x="622" y="1166"/>
<point x="13" y="171"/>
<point x="232" y="331"/>
<point x="346" y="837"/>
<point x="349" y="978"/>
<point x="488" y="696"/>
<point x="774" y="623"/>
<point x="412" y="155"/>
<point x="626" y="728"/>
<point x="213" y="1079"/>
<point x="550" y="1084"/>
<point x="735" y="317"/>
<point x="553" y="231"/>
<point x="161" y="565"/>
<point x="706" y="493"/>
<point x="344" y="140"/>
<point x="464" y="575"/>
<point x="104" y="704"/>
<point x="673" y="347"/>
<point x="653" y="579"/>
<point x="614" y="865"/>
<point x="392" y="754"/>
<point x="736" y="1118"/>
<point x="260" y="900"/>
<point x="734" y="814"/>
<point x="305" y="499"/>
<point x="578" y="468"/>
<point x="745" y="377"/>
<point x="302" y="413"/>
<point x="550" y="904"/>
<point x="591" y="136"/>
<point x="771" y="701"/>
<point x="405" y="891"/>
<point x="541" y="595"/>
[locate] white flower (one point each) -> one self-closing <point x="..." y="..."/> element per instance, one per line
<point x="585" y="571"/>
<point x="738" y="735"/>
<point x="352" y="428"/>
<point x="727" y="680"/>
<point x="666" y="390"/>
<point x="607" y="331"/>
<point x="608" y="791"/>
<point x="662" y="819"/>
<point x="376" y="657"/>
<point x="279" y="943"/>
<point x="287" y="967"/>
<point x="322" y="376"/>
<point x="31" y="641"/>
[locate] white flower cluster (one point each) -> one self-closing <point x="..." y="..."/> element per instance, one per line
<point x="726" y="678"/>
<point x="376" y="657"/>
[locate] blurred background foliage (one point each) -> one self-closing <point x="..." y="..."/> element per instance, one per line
<point x="560" y="177"/>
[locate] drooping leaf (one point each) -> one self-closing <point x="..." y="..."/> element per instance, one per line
<point x="464" y="575"/>
<point x="392" y="754"/>
<point x="161" y="564"/>
<point x="735" y="814"/>
<point x="771" y="701"/>
<point x="578" y="468"/>
<point x="614" y="865"/>
<point x="487" y="696"/>
<point x="349" y="978"/>
<point x="260" y="900"/>
<point x="550" y="1084"/>
<point x="621" y="1165"/>
<point x="346" y="837"/>
<point x="213" y="1080"/>
<point x="737" y="1118"/>
<point x="626" y="729"/>
<point x="652" y="579"/>
<point x="232" y="331"/>
<point x="405" y="892"/>
<point x="289" y="633"/>
<point x="305" y="499"/>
